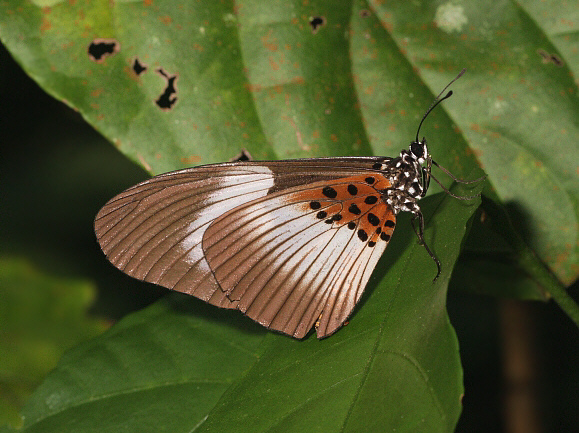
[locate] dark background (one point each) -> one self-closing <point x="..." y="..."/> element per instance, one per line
<point x="520" y="359"/>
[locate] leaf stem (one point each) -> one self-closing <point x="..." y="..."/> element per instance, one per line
<point x="549" y="282"/>
<point x="530" y="263"/>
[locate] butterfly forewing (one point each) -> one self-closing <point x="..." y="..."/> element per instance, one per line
<point x="154" y="232"/>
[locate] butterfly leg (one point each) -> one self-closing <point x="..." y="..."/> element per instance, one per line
<point x="421" y="241"/>
<point x="426" y="173"/>
<point x="459" y="197"/>
<point x="456" y="179"/>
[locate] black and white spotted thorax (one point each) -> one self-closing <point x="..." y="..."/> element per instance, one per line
<point x="409" y="175"/>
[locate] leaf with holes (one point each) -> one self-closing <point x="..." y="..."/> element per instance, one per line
<point x="196" y="84"/>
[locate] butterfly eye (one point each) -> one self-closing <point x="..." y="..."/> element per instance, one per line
<point x="417" y="149"/>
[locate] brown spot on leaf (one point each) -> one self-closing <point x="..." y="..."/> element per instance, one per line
<point x="272" y="63"/>
<point x="298" y="133"/>
<point x="166" y="19"/>
<point x="143" y="162"/>
<point x="45" y="24"/>
<point x="298" y="80"/>
<point x="192" y="159"/>
<point x="271" y="45"/>
<point x="252" y="87"/>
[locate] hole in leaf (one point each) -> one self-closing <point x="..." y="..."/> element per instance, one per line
<point x="168" y="98"/>
<point x="364" y="13"/>
<point x="138" y="67"/>
<point x="316" y="23"/>
<point x="99" y="49"/>
<point x="244" y="155"/>
<point x="556" y="60"/>
<point x="550" y="58"/>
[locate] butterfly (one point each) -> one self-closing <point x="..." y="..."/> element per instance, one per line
<point x="292" y="244"/>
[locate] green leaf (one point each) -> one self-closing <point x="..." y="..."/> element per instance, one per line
<point x="41" y="316"/>
<point x="160" y="369"/>
<point x="182" y="365"/>
<point x="261" y="77"/>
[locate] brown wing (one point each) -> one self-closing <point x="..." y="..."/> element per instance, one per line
<point x="153" y="231"/>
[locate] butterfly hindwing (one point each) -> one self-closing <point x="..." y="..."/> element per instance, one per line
<point x="158" y="231"/>
<point x="301" y="255"/>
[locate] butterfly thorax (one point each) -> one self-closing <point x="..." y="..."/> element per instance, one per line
<point x="409" y="178"/>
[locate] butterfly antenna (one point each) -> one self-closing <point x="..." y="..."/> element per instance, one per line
<point x="438" y="100"/>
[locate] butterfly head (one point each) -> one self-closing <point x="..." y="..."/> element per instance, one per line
<point x="419" y="151"/>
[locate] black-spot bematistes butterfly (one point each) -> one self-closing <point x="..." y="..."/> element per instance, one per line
<point x="290" y="243"/>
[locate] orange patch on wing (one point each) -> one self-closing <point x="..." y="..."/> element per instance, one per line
<point x="343" y="189"/>
<point x="354" y="201"/>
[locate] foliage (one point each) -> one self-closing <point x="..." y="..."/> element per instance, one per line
<point x="173" y="86"/>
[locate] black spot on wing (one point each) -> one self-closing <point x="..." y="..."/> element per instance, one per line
<point x="362" y="235"/>
<point x="354" y="209"/>
<point x="329" y="192"/>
